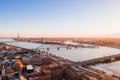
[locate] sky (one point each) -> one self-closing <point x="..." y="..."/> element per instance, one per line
<point x="59" y="18"/>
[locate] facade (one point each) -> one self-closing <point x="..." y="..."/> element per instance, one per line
<point x="26" y="61"/>
<point x="56" y="71"/>
<point x="39" y="76"/>
<point x="18" y="66"/>
<point x="72" y="73"/>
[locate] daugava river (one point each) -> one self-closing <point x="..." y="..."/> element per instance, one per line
<point x="79" y="54"/>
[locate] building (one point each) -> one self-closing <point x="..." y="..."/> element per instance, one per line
<point x="29" y="68"/>
<point x="73" y="73"/>
<point x="56" y="71"/>
<point x="18" y="66"/>
<point x="26" y="61"/>
<point x="36" y="59"/>
<point x="39" y="76"/>
<point x="45" y="59"/>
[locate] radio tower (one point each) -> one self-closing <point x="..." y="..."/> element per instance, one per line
<point x="18" y="36"/>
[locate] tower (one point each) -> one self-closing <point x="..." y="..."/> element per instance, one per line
<point x="42" y="39"/>
<point x="18" y="36"/>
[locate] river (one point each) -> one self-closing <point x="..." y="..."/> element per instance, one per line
<point x="78" y="54"/>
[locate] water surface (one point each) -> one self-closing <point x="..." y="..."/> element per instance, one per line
<point x="110" y="68"/>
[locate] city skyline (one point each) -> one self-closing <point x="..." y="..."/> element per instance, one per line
<point x="59" y="18"/>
